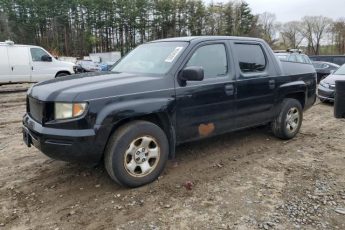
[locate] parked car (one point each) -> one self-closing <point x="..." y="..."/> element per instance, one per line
<point x="24" y="63"/>
<point x="293" y="55"/>
<point x="87" y="66"/>
<point x="90" y="66"/>
<point x="336" y="59"/>
<point x="162" y="94"/>
<point x="324" y="69"/>
<point x="327" y="85"/>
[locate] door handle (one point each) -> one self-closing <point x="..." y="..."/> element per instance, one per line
<point x="272" y="84"/>
<point x="12" y="68"/>
<point x="229" y="89"/>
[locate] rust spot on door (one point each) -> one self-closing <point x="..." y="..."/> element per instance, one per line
<point x="206" y="129"/>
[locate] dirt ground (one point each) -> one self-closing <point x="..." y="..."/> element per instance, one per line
<point x="243" y="180"/>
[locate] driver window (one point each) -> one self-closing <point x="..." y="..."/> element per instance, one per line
<point x="37" y="54"/>
<point x="212" y="58"/>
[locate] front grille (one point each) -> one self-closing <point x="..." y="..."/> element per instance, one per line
<point x="35" y="109"/>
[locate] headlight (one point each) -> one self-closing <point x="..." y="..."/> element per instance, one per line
<point x="69" y="110"/>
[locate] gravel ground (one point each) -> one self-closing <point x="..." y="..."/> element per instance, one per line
<point x="243" y="180"/>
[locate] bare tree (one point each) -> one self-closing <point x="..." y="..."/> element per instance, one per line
<point x="314" y="28"/>
<point x="269" y="27"/>
<point x="338" y="32"/>
<point x="291" y="34"/>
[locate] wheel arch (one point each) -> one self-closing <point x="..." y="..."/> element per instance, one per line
<point x="299" y="96"/>
<point x="62" y="71"/>
<point x="295" y="90"/>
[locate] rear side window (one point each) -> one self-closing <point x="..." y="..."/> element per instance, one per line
<point x="212" y="58"/>
<point x="251" y="58"/>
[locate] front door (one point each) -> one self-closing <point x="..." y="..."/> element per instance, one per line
<point x="255" y="85"/>
<point x="207" y="107"/>
<point x="41" y="70"/>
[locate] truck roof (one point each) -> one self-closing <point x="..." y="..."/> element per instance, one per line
<point x="206" y="38"/>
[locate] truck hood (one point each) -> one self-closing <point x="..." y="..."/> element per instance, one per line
<point x="332" y="78"/>
<point x="84" y="87"/>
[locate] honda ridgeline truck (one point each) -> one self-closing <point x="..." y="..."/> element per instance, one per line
<point x="162" y="94"/>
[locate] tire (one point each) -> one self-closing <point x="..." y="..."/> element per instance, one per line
<point x="283" y="127"/>
<point x="136" y="154"/>
<point x="61" y="75"/>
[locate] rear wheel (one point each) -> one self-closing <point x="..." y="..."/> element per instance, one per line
<point x="136" y="153"/>
<point x="289" y="120"/>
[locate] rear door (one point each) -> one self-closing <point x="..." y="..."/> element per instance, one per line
<point x="41" y="70"/>
<point x="20" y="68"/>
<point x="255" y="84"/>
<point x="4" y="65"/>
<point x="207" y="107"/>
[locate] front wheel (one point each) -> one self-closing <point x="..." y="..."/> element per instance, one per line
<point x="136" y="153"/>
<point x="61" y="75"/>
<point x="289" y="120"/>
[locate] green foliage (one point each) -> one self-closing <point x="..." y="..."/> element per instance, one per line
<point x="77" y="27"/>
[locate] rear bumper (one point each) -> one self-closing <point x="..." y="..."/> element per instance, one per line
<point x="82" y="146"/>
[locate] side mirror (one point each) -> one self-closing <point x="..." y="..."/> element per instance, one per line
<point x="46" y="58"/>
<point x="191" y="73"/>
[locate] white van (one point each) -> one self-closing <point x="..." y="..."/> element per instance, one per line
<point x="24" y="63"/>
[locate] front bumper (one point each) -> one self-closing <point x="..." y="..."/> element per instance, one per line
<point x="82" y="146"/>
<point x="325" y="93"/>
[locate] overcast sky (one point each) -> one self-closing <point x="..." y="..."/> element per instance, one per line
<point x="288" y="10"/>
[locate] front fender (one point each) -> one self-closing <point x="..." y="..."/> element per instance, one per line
<point x="117" y="111"/>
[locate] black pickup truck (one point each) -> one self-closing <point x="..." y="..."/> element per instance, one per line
<point x="162" y="94"/>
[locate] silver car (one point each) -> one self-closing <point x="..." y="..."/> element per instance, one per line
<point x="326" y="87"/>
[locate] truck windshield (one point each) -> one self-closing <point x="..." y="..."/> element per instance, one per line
<point x="151" y="58"/>
<point x="340" y="71"/>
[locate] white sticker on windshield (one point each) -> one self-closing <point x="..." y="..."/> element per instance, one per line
<point x="173" y="54"/>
